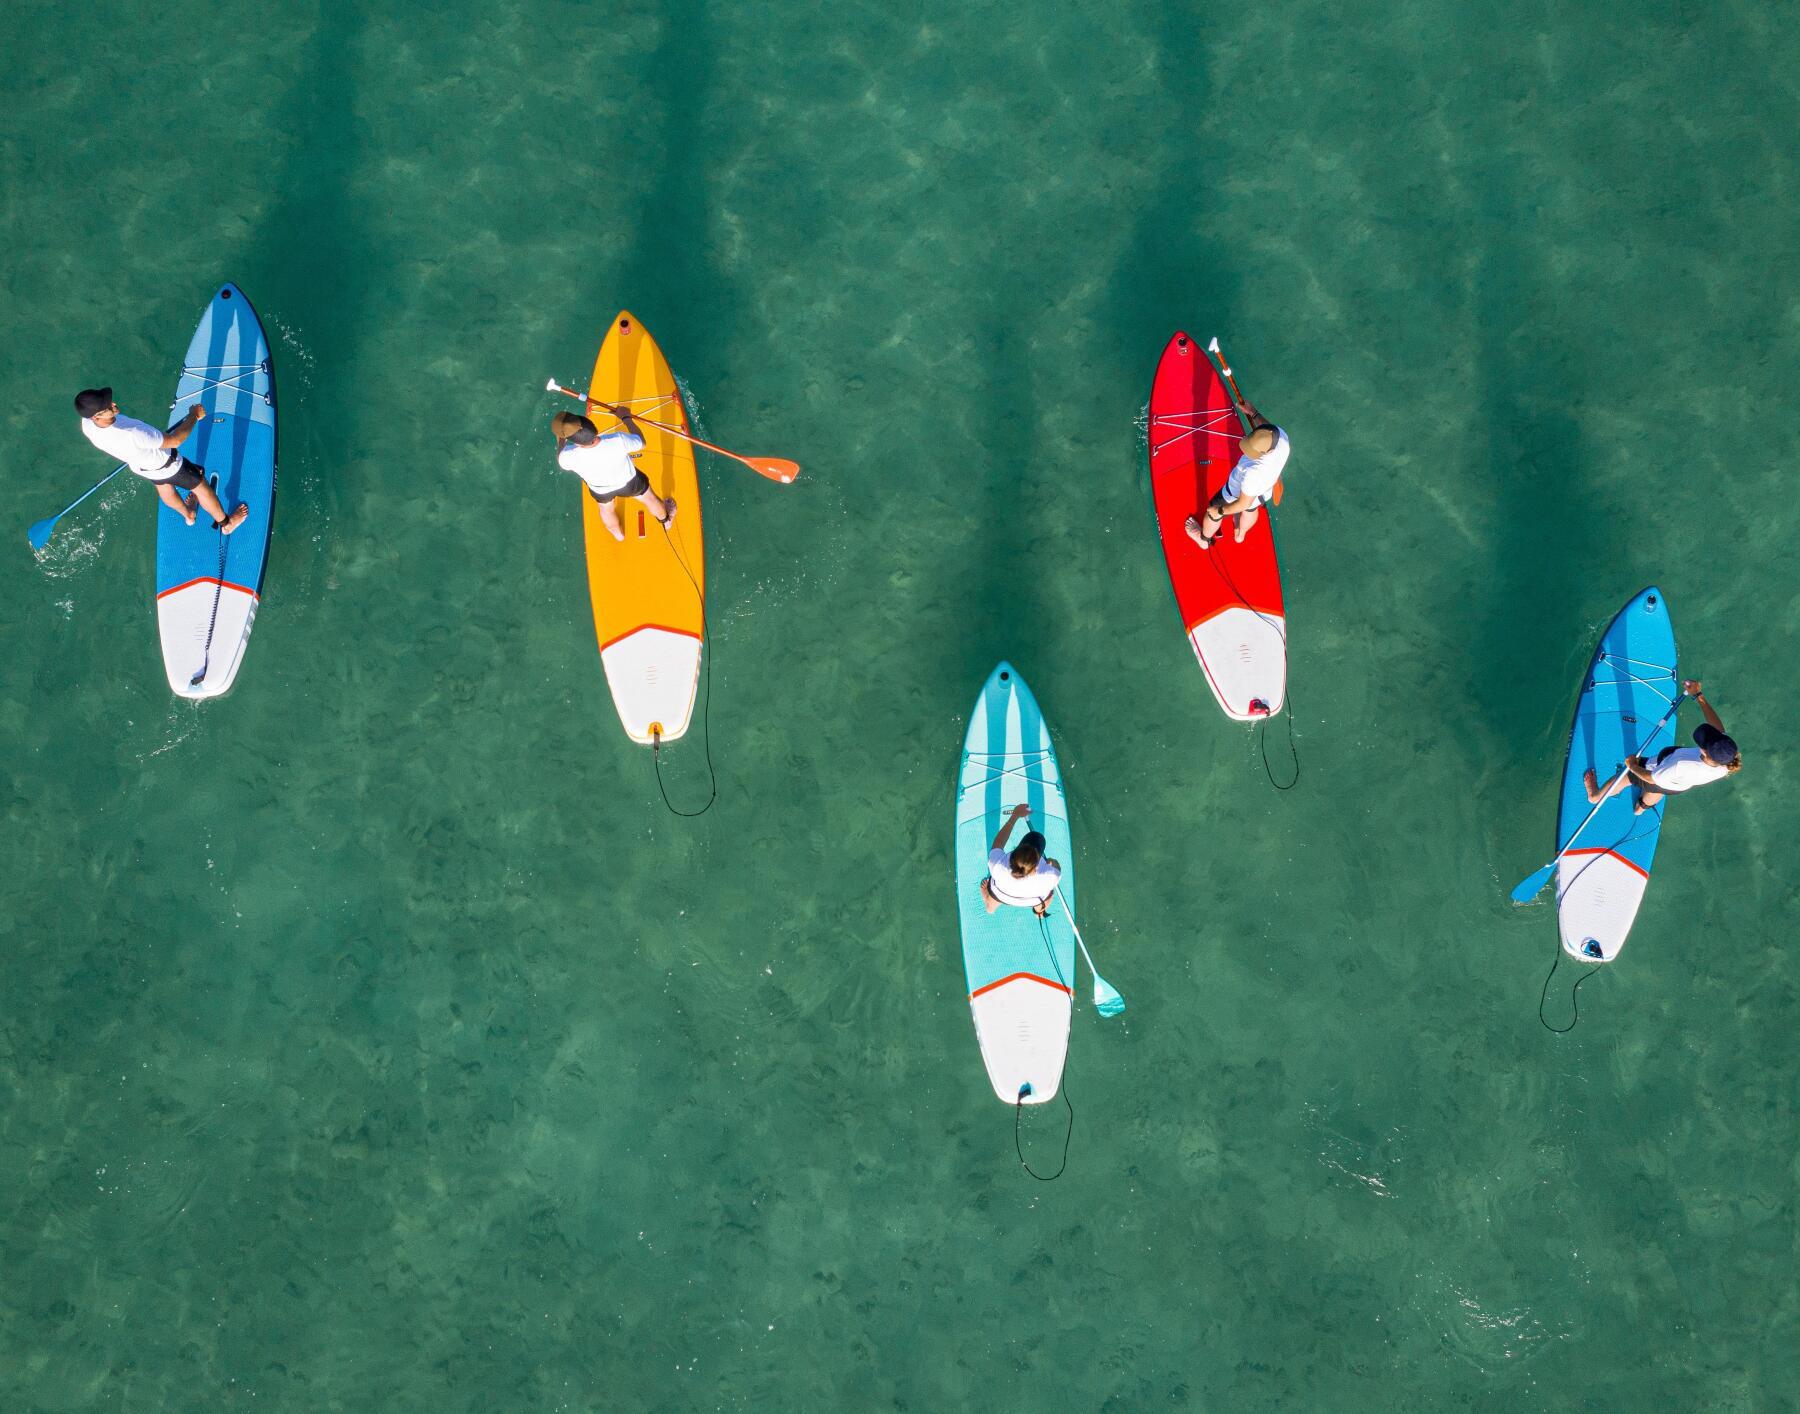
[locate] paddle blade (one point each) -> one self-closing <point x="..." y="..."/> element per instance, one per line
<point x="775" y="468"/>
<point x="39" y="534"/>
<point x="1528" y="889"/>
<point x="1107" y="1000"/>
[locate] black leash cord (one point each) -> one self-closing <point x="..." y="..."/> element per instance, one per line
<point x="218" y="591"/>
<point x="1068" y="1134"/>
<point x="1262" y="741"/>
<point x="1574" y="997"/>
<point x="706" y="648"/>
<point x="1062" y="1084"/>
<point x="1262" y="735"/>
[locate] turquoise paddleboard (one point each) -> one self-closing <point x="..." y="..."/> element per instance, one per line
<point x="1020" y="968"/>
<point x="1624" y="710"/>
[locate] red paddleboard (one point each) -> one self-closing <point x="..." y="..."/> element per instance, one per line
<point x="1229" y="596"/>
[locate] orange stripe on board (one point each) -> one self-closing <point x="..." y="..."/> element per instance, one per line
<point x="1621" y="858"/>
<point x="684" y="632"/>
<point x="1020" y="977"/>
<point x="207" y="579"/>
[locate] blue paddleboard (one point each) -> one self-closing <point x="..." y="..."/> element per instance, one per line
<point x="1019" y="968"/>
<point x="208" y="585"/>
<point x="1631" y="684"/>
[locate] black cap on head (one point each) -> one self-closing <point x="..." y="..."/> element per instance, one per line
<point x="585" y="435"/>
<point x="92" y="400"/>
<point x="1714" y="745"/>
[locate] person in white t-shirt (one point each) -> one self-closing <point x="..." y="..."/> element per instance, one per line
<point x="152" y="454"/>
<point x="1250" y="485"/>
<point x="1712" y="757"/>
<point x="604" y="461"/>
<point x="1023" y="878"/>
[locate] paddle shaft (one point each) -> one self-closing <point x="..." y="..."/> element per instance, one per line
<point x="83" y="496"/>
<point x="1238" y="398"/>
<point x="1612" y="785"/>
<point x="1069" y="914"/>
<point x="1225" y="368"/>
<point x="677" y="432"/>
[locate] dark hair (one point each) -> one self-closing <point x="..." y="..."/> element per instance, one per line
<point x="1025" y="858"/>
<point x="572" y="427"/>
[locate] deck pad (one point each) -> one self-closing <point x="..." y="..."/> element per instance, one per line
<point x="1019" y="968"/>
<point x="1630" y="684"/>
<point x="1229" y="597"/>
<point x="648" y="611"/>
<point x="208" y="585"/>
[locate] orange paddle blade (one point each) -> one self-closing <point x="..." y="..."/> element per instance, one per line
<point x="775" y="468"/>
<point x="1276" y="500"/>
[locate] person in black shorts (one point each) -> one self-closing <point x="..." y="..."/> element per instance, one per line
<point x="606" y="463"/>
<point x="151" y="453"/>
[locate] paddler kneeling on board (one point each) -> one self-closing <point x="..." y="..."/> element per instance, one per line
<point x="1250" y="485"/>
<point x="1712" y="757"/>
<point x="1024" y="877"/>
<point x="604" y="462"/>
<point x="152" y="454"/>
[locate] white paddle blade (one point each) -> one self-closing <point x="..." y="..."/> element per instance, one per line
<point x="553" y="386"/>
<point x="1213" y="347"/>
<point x="1107" y="1001"/>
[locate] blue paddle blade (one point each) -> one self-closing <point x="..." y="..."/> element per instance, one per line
<point x="1528" y="889"/>
<point x="39" y="534"/>
<point x="1107" y="1001"/>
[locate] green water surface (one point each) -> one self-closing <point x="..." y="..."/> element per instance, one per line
<point x="372" y="1038"/>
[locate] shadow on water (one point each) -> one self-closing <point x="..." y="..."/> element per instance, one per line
<point x="1532" y="618"/>
<point x="311" y="251"/>
<point x="671" y="277"/>
<point x="1172" y="276"/>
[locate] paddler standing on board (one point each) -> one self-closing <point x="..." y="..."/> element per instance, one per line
<point x="152" y="454"/>
<point x="1712" y="757"/>
<point x="1024" y="877"/>
<point x="1250" y="485"/>
<point x="604" y="462"/>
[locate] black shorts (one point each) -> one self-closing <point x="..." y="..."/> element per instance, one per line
<point x="186" y="476"/>
<point x="634" y="487"/>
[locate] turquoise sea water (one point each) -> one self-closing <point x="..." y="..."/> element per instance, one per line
<point x="372" y="1039"/>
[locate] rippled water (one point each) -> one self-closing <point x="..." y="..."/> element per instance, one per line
<point x="373" y="1039"/>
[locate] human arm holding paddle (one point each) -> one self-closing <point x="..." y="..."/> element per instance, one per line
<point x="1675" y="769"/>
<point x="180" y="432"/>
<point x="1017" y="813"/>
<point x="1692" y="688"/>
<point x="1026" y="869"/>
<point x="1256" y="479"/>
<point x="606" y="465"/>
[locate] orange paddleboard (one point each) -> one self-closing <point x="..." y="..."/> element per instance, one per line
<point x="647" y="590"/>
